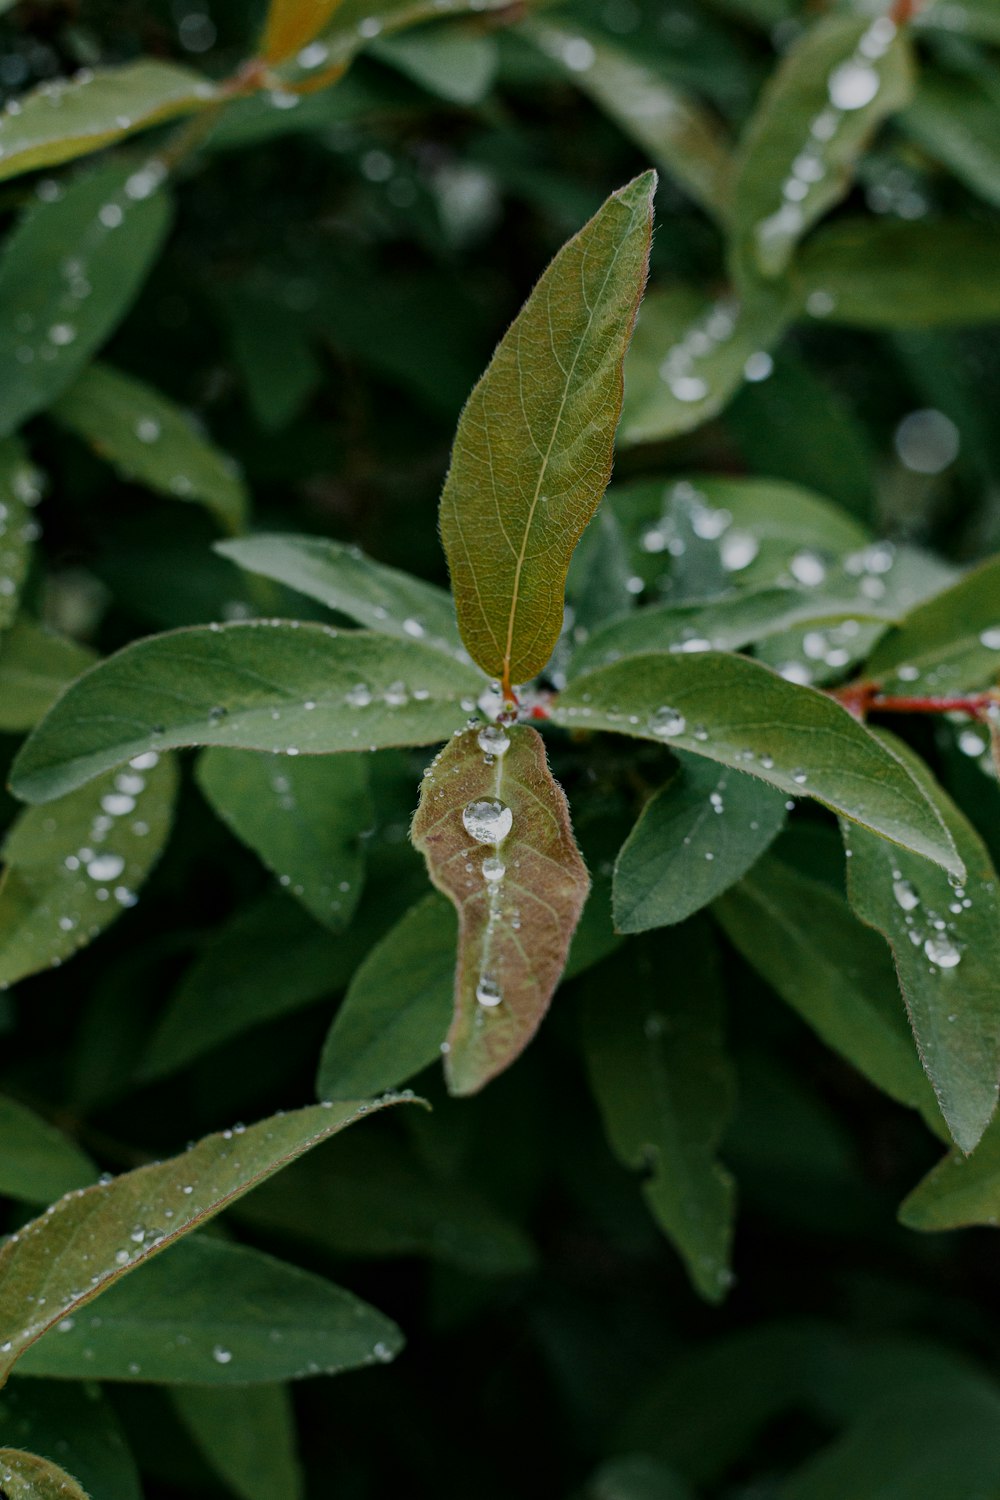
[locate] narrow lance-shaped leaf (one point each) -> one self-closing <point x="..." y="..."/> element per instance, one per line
<point x="532" y="454"/>
<point x="258" y="685"/>
<point x="945" y="940"/>
<point x="90" y="1238"/>
<point x="69" y="271"/>
<point x="37" y="1162"/>
<point x="25" y="1476"/>
<point x="653" y="1038"/>
<point x="209" y="1312"/>
<point x="246" y="1435"/>
<point x="948" y="644"/>
<point x="20" y="489"/>
<point x="35" y="666"/>
<point x="151" y="440"/>
<point x="64" y="118"/>
<point x="745" y="716"/>
<point x="494" y="828"/>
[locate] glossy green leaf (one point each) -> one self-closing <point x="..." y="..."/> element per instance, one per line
<point x="73" y="867"/>
<point x="961" y="1190"/>
<point x="689" y="357"/>
<point x="636" y="1477"/>
<point x="20" y="489"/>
<point x="834" y="86"/>
<point x="357" y="22"/>
<point x="945" y="940"/>
<point x="532" y="454"/>
<point x="495" y="832"/>
<point x="247" y="1436"/>
<point x="38" y="1162"/>
<point x="745" y="716"/>
<point x="259" y="685"/>
<point x="893" y="273"/>
<point x="69" y="272"/>
<point x="267" y="962"/>
<point x="305" y="817"/>
<point x="152" y="441"/>
<point x="35" y="666"/>
<point x="454" y="64"/>
<point x="71" y="1423"/>
<point x="397" y="1009"/>
<point x="974" y="18"/>
<point x="669" y="125"/>
<point x="948" y="644"/>
<point x="665" y="1089"/>
<point x="91" y="1238"/>
<point x="65" y="118"/>
<point x="291" y="24"/>
<point x="957" y="119"/>
<point x="25" y="1476"/>
<point x="803" y="939"/>
<point x="382" y="599"/>
<point x="695" y="838"/>
<point x="215" y="1314"/>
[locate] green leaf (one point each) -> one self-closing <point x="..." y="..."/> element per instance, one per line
<point x="246" y="1435"/>
<point x="258" y="685"/>
<point x="25" y="1476"/>
<point x="91" y="1238"/>
<point x="69" y="272"/>
<point x="290" y="24"/>
<point x="382" y="599"/>
<point x="945" y="940"/>
<point x="37" y="1162"/>
<point x="35" y="666"/>
<point x="304" y="816"/>
<point x="803" y="939"/>
<point x="974" y="18"/>
<point x="745" y="716"/>
<point x="665" y="1089"/>
<point x="948" y="644"/>
<point x="532" y="454"/>
<point x="64" y="118"/>
<point x="495" y="832"/>
<point x="272" y="352"/>
<point x="689" y="357"/>
<point x="457" y="65"/>
<point x="73" y="867"/>
<point x="20" y="489"/>
<point x="957" y="119"/>
<point x="72" y="1423"/>
<point x="395" y="1014"/>
<point x="891" y="273"/>
<point x="833" y="87"/>
<point x="636" y="1477"/>
<point x="152" y="441"/>
<point x="357" y="22"/>
<point x="960" y="1191"/>
<point x="694" y="839"/>
<point x="268" y="961"/>
<point x="215" y="1314"/>
<point x="669" y="125"/>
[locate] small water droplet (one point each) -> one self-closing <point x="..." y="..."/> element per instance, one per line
<point x="906" y="896"/>
<point x="221" y="1356"/>
<point x="488" y="992"/>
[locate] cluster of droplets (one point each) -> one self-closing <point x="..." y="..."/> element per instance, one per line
<point x="928" y="929"/>
<point x="488" y="821"/>
<point x="681" y="367"/>
<point x="18" y="528"/>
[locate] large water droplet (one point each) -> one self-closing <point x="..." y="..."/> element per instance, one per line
<point x="494" y="868"/>
<point x="488" y="992"/>
<point x="493" y="739"/>
<point x="667" y="722"/>
<point x="905" y="895"/>
<point x="852" y="85"/>
<point x="105" y="866"/>
<point x="487" y="820"/>
<point x="942" y="952"/>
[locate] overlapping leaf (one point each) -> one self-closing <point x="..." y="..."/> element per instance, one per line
<point x="38" y="1162"/>
<point x="948" y="644"/>
<point x="495" y="831"/>
<point x="25" y="1476"/>
<point x="35" y="666"/>
<point x="71" y="1422"/>
<point x="961" y="1190"/>
<point x="290" y="24"/>
<point x="958" y="120"/>
<point x="247" y="1436"/>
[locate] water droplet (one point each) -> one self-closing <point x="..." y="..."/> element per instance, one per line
<point x="105" y="866"/>
<point x="666" y="722"/>
<point x="61" y="334"/>
<point x="991" y="638"/>
<point x="144" y="762"/>
<point x="906" y="896"/>
<point x="494" y="868"/>
<point x="220" y="1355"/>
<point x="971" y="742"/>
<point x="359" y="696"/>
<point x="737" y="550"/>
<point x="396" y="695"/>
<point x="689" y="388"/>
<point x="488" y="992"/>
<point x="111" y="215"/>
<point x="758" y="367"/>
<point x="942" y="952"/>
<point x="852" y="85"/>
<point x="807" y="567"/>
<point x="493" y="739"/>
<point x="413" y="628"/>
<point x="487" y="820"/>
<point x="147" y="429"/>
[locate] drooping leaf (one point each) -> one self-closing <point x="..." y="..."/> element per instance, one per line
<point x="35" y="666"/>
<point x="380" y="598"/>
<point x="803" y="939"/>
<point x="215" y="1314"/>
<point x="666" y="122"/>
<point x="396" y="1012"/>
<point x="69" y="272"/>
<point x="246" y="1435"/>
<point x="70" y="1422"/>
<point x="25" y="1476"/>
<point x="453" y="63"/>
<point x="695" y="838"/>
<point x="945" y="940"/>
<point x="291" y="24"/>
<point x="91" y="1238"/>
<point x="38" y="1162"/>
<point x="73" y="867"/>
<point x="20" y="489"/>
<point x="304" y="816"/>
<point x="833" y="87"/>
<point x="268" y="961"/>
<point x="665" y="1089"/>
<point x="948" y="644"/>
<point x="532" y="454"/>
<point x="65" y="118"/>
<point x="961" y="1190"/>
<point x="151" y="440"/>
<point x="745" y="716"/>
<point x="258" y="685"/>
<point x="494" y="829"/>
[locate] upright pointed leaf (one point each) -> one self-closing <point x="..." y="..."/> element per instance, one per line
<point x="38" y="1162"/>
<point x="260" y="685"/>
<point x="247" y="1435"/>
<point x="665" y="1088"/>
<point x="35" y="666"/>
<point x="25" y="1476"/>
<point x="69" y="271"/>
<point x="495" y="832"/>
<point x="743" y="715"/>
<point x="945" y="940"/>
<point x="151" y="440"/>
<point x="20" y="489"/>
<point x="532" y="453"/>
<point x="948" y="644"/>
<point x="92" y="1237"/>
